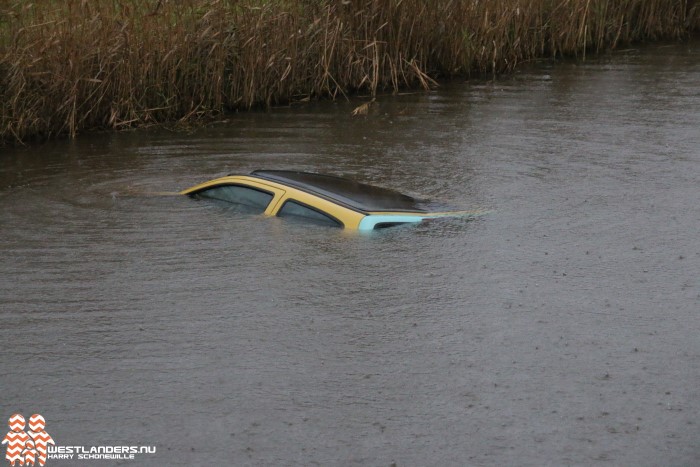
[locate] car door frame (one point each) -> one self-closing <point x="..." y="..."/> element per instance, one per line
<point x="277" y="192"/>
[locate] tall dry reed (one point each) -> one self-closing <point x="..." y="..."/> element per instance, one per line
<point x="76" y="64"/>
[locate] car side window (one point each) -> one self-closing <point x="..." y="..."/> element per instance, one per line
<point x="294" y="209"/>
<point x="251" y="199"/>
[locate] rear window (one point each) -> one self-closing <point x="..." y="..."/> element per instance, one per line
<point x="386" y="225"/>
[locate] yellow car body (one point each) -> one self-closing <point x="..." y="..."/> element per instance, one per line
<point x="321" y="198"/>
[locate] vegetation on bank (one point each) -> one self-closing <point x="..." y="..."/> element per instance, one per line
<point x="73" y="65"/>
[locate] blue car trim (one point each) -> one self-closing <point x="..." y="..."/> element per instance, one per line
<point x="369" y="222"/>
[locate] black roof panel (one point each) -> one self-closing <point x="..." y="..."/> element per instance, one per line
<point x="354" y="194"/>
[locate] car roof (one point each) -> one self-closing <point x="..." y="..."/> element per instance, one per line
<point x="357" y="195"/>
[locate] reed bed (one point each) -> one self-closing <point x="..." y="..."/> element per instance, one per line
<point x="74" y="65"/>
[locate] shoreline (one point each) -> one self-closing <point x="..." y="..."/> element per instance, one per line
<point x="77" y="66"/>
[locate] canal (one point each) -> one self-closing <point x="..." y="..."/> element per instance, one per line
<point x="560" y="328"/>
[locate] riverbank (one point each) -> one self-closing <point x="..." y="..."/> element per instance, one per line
<point x="67" y="67"/>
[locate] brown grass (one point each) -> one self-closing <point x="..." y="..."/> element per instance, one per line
<point x="73" y="65"/>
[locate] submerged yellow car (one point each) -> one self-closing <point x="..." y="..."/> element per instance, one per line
<point x="317" y="198"/>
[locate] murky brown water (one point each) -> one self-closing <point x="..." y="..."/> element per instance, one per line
<point x="560" y="329"/>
